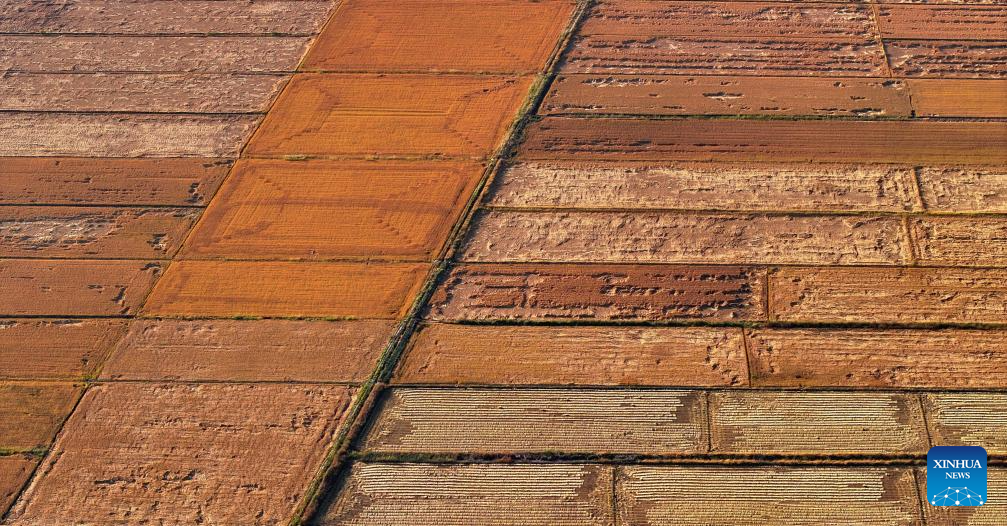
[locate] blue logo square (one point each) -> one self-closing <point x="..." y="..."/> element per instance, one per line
<point x="956" y="476"/>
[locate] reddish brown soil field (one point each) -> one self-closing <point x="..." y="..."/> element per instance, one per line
<point x="52" y="287"/>
<point x="55" y="348"/>
<point x="774" y="141"/>
<point x="77" y="181"/>
<point x="943" y="22"/>
<point x="416" y="115"/>
<point x="894" y="295"/>
<point x="967" y="98"/>
<point x="277" y="289"/>
<point x="161" y="451"/>
<point x="476" y="354"/>
<point x="637" y="18"/>
<point x="949" y="358"/>
<point x="251" y="350"/>
<point x="14" y="471"/>
<point x="748" y="55"/>
<point x="600" y="292"/>
<point x="326" y="209"/>
<point x="33" y="412"/>
<point x="448" y="35"/>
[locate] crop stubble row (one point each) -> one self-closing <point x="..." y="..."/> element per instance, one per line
<point x="578" y="494"/>
<point x="478" y="420"/>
